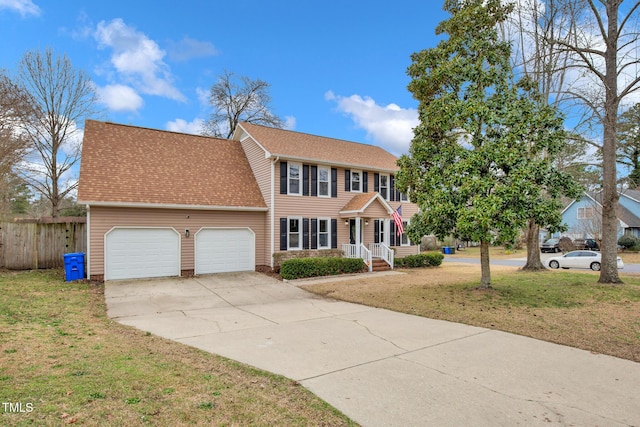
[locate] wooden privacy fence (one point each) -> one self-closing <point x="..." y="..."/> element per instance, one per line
<point x="41" y="243"/>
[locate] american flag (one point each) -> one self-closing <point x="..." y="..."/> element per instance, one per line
<point x="397" y="218"/>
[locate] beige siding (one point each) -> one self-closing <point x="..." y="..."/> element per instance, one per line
<point x="319" y="207"/>
<point x="261" y="168"/>
<point x="103" y="219"/>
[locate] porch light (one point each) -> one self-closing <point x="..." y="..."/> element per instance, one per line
<point x="366" y="222"/>
<point x="346" y="222"/>
<point x="186" y="233"/>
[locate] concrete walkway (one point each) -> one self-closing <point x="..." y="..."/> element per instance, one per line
<point x="379" y="367"/>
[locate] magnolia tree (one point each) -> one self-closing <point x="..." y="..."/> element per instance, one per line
<point x="480" y="163"/>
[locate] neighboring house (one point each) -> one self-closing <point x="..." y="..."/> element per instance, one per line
<point x="169" y="204"/>
<point x="584" y="217"/>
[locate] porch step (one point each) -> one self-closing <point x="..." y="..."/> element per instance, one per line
<point x="380" y="265"/>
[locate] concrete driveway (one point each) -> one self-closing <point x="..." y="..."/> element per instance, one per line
<point x="379" y="367"/>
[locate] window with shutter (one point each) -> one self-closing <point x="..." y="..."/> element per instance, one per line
<point x="294" y="179"/>
<point x="294" y="233"/>
<point x="324" y="233"/>
<point x="323" y="181"/>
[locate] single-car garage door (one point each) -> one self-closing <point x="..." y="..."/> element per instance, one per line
<point x="133" y="253"/>
<point x="220" y="250"/>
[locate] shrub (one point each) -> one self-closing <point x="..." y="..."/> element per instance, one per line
<point x="566" y="244"/>
<point x="628" y="242"/>
<point x="312" y="267"/>
<point x="430" y="259"/>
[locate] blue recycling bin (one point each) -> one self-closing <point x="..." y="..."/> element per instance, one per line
<point x="74" y="266"/>
<point x="448" y="250"/>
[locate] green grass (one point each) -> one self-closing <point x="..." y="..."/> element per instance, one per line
<point x="61" y="354"/>
<point x="559" y="290"/>
<point x="564" y="307"/>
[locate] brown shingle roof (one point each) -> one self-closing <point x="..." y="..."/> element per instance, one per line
<point x="133" y="165"/>
<point x="289" y="144"/>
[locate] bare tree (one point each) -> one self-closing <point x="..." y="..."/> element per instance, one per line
<point x="603" y="44"/>
<point x="532" y="29"/>
<point x="238" y="99"/>
<point x="14" y="110"/>
<point x="62" y="97"/>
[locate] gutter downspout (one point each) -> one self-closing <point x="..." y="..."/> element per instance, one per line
<point x="88" y="231"/>
<point x="272" y="208"/>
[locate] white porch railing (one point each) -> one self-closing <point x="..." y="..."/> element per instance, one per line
<point x="380" y="250"/>
<point x="358" y="251"/>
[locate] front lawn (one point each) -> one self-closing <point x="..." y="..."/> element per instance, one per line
<point x="64" y="362"/>
<point x="564" y="307"/>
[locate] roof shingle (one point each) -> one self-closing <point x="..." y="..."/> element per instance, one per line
<point x="296" y="145"/>
<point x="127" y="164"/>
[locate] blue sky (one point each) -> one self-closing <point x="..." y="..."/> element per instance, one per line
<point x="336" y="68"/>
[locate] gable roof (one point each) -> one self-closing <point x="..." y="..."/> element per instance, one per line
<point x="134" y="166"/>
<point x="302" y="146"/>
<point x="625" y="215"/>
<point x="631" y="194"/>
<point x="359" y="203"/>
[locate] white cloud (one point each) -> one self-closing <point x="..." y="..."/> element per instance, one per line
<point x="179" y="125"/>
<point x="189" y="48"/>
<point x="137" y="59"/>
<point x="23" y="7"/>
<point x="120" y="98"/>
<point x="289" y="122"/>
<point x="203" y="96"/>
<point x="389" y="126"/>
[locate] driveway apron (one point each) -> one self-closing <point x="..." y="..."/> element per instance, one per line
<point x="379" y="367"/>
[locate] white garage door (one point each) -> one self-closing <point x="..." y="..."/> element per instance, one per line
<point x="220" y="250"/>
<point x="133" y="253"/>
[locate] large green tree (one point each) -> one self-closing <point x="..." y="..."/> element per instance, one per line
<point x="480" y="164"/>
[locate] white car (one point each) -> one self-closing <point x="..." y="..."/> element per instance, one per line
<point x="579" y="259"/>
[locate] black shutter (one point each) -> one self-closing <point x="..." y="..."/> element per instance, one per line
<point x="376" y="182"/>
<point x="347" y="180"/>
<point x="283" y="234"/>
<point x="305" y="233"/>
<point x="283" y="178"/>
<point x="392" y="189"/>
<point x="334" y="182"/>
<point x="314" y="180"/>
<point x="305" y="180"/>
<point x="314" y="233"/>
<point x="376" y="230"/>
<point x="392" y="233"/>
<point x="334" y="233"/>
<point x="365" y="182"/>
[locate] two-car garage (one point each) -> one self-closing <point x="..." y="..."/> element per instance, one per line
<point x="140" y="252"/>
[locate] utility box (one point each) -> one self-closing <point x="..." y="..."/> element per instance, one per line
<point x="73" y="266"/>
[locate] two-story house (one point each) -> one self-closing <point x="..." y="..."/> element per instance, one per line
<point x="169" y="204"/>
<point x="583" y="217"/>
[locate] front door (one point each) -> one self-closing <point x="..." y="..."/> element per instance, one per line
<point x="380" y="229"/>
<point x="355" y="231"/>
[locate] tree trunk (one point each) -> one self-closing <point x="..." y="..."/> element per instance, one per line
<point x="485" y="267"/>
<point x="609" y="249"/>
<point x="533" y="247"/>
